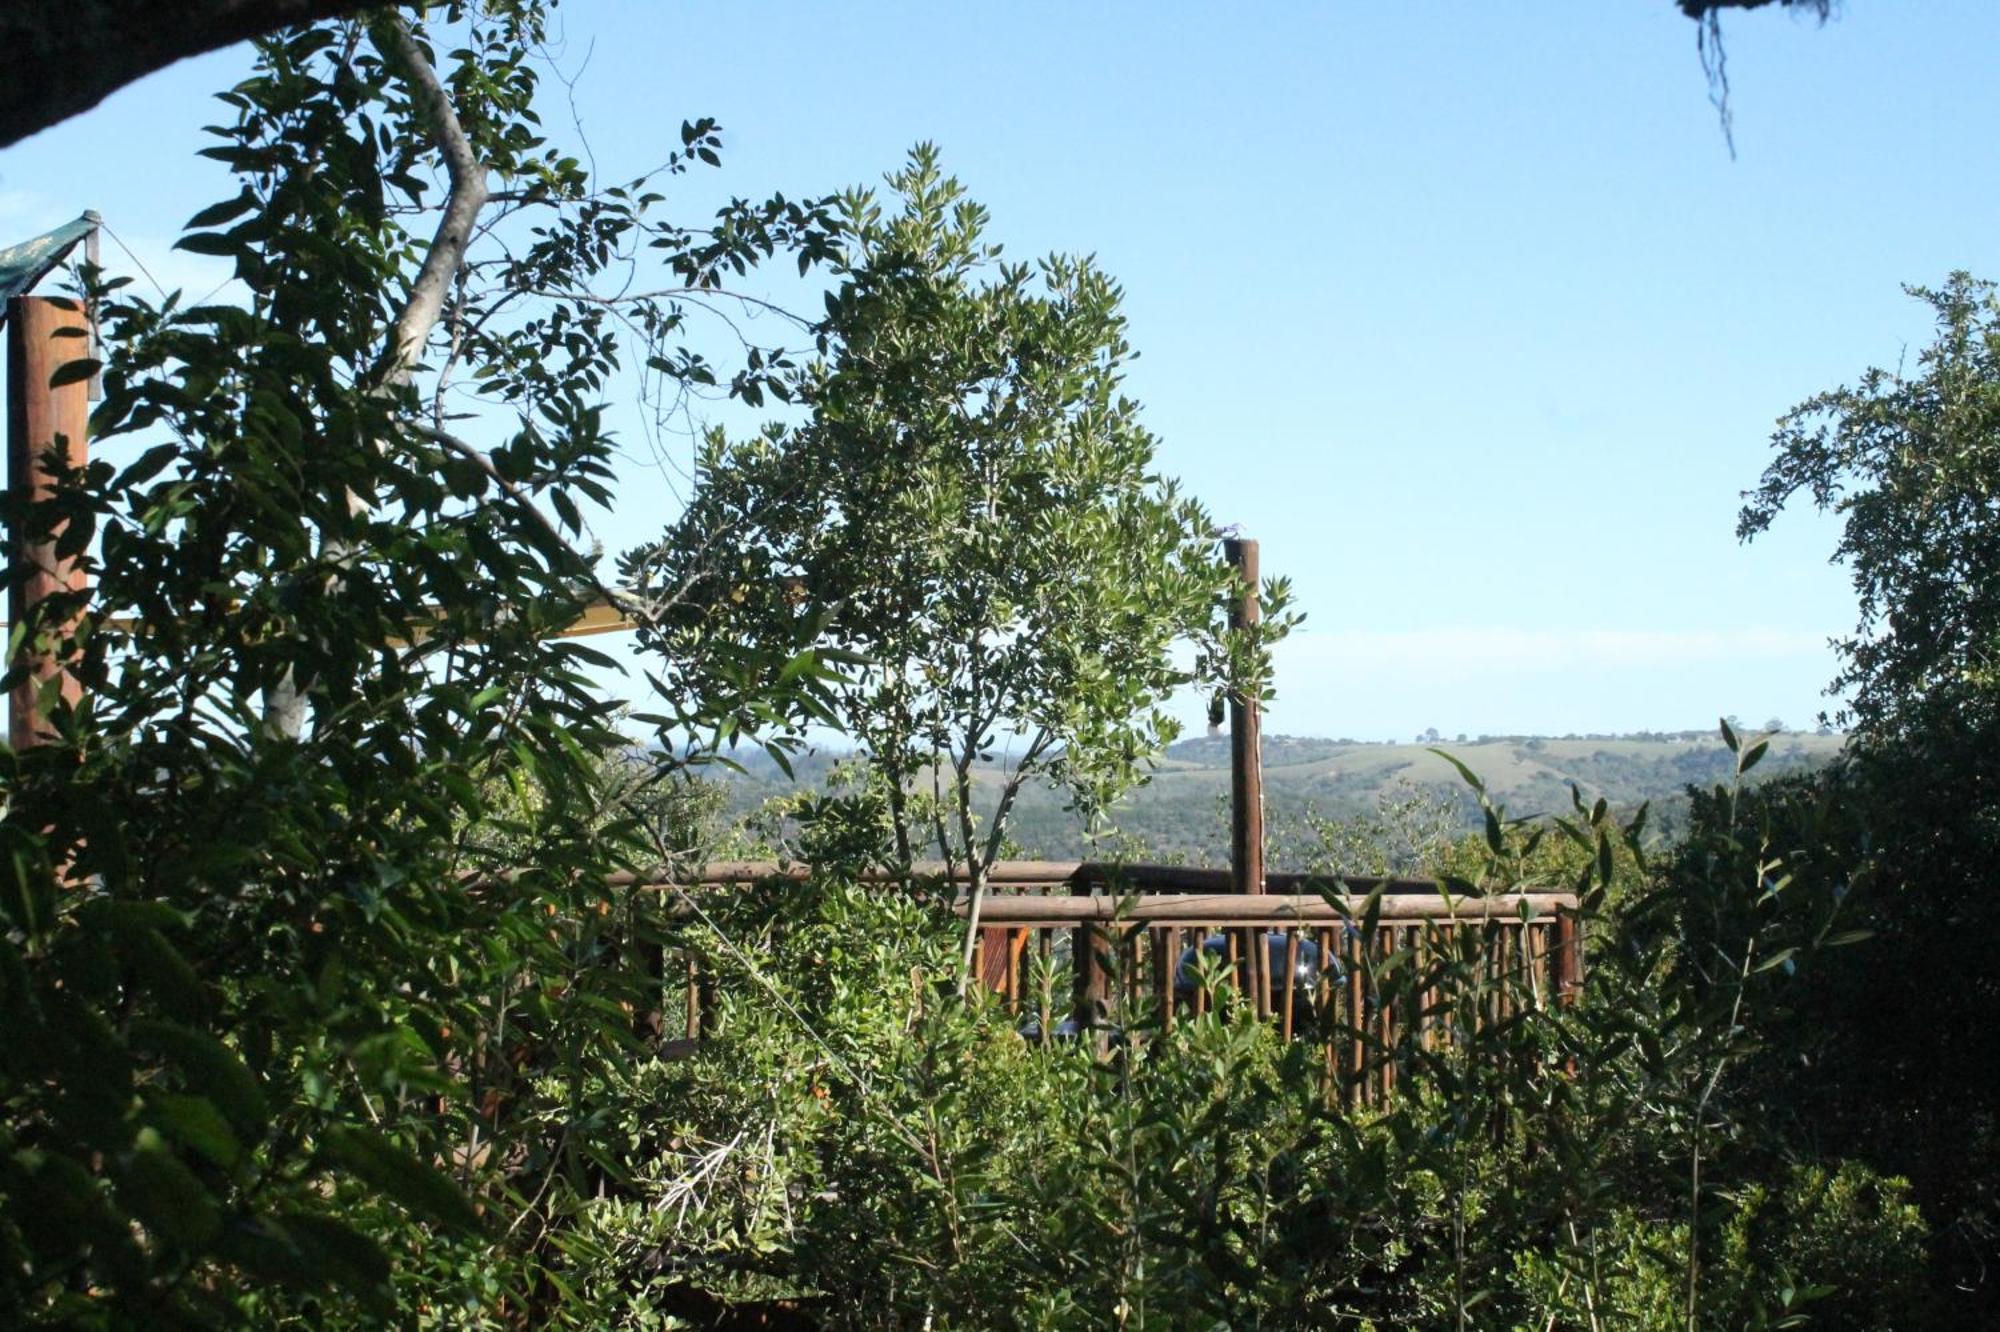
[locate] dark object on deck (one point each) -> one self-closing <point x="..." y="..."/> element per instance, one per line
<point x="1306" y="967"/>
<point x="1109" y="1034"/>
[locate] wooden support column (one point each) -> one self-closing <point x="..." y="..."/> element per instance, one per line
<point x="1091" y="946"/>
<point x="1568" y="960"/>
<point x="1246" y="779"/>
<point x="43" y="334"/>
<point x="1246" y="759"/>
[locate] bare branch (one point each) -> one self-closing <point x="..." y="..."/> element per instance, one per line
<point x="461" y="206"/>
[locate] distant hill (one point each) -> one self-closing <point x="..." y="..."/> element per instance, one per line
<point x="1182" y="811"/>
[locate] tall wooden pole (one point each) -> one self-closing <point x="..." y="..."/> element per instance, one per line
<point x="1246" y="760"/>
<point x="43" y="334"/>
<point x="1246" y="782"/>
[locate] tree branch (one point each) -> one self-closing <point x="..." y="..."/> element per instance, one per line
<point x="284" y="701"/>
<point x="616" y="600"/>
<point x="467" y="196"/>
<point x="977" y="888"/>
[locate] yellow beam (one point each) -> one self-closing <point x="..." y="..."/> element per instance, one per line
<point x="599" y="617"/>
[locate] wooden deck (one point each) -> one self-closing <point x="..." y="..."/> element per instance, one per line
<point x="1087" y="950"/>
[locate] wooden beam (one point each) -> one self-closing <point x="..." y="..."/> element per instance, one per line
<point x="1095" y="876"/>
<point x="1005" y="873"/>
<point x="1269" y="909"/>
<point x="1107" y="877"/>
<point x="600" y="617"/>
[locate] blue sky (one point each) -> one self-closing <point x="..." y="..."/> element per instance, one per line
<point x="1463" y="310"/>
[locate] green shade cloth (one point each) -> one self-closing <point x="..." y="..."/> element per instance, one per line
<point x="23" y="265"/>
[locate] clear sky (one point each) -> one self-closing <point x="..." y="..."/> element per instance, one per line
<point x="1463" y="310"/>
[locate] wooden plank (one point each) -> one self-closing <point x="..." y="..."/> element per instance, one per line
<point x="1091" y="993"/>
<point x="1290" y="980"/>
<point x="1114" y="879"/>
<point x="1568" y="962"/>
<point x="992" y="959"/>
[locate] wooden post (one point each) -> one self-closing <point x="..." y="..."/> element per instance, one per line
<point x="1568" y="958"/>
<point x="1246" y="777"/>
<point x="43" y="334"/>
<point x="1246" y="760"/>
<point x="1090" y="998"/>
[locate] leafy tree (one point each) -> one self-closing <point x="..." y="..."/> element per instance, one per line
<point x="1895" y="1056"/>
<point x="1907" y="461"/>
<point x="967" y="522"/>
<point x="283" y="1001"/>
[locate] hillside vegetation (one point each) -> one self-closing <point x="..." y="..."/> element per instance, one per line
<point x="1181" y="813"/>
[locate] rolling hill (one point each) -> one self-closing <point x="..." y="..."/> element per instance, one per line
<point x="1181" y="812"/>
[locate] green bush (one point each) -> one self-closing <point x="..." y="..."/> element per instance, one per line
<point x="1838" y="1248"/>
<point x="1846" y="1231"/>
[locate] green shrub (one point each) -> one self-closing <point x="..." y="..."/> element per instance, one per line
<point x="1838" y="1248"/>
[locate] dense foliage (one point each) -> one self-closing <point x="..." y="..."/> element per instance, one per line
<point x="339" y="996"/>
<point x="1907" y="460"/>
<point x="282" y="998"/>
<point x="856" y="1146"/>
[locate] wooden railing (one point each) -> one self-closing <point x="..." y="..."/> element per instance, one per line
<point x="1102" y="952"/>
<point x="1312" y="966"/>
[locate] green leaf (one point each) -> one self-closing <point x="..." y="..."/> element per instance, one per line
<point x="166" y="1196"/>
<point x="343" y="1255"/>
<point x="1777" y="959"/>
<point x="1728" y="735"/>
<point x="209" y="242"/>
<point x="71" y="1210"/>
<point x="126" y="917"/>
<point x="1749" y="757"/>
<point x="1371" y="912"/>
<point x="74" y="372"/>
<point x="304" y="1251"/>
<point x="208" y="1065"/>
<point x="168" y="975"/>
<point x="424" y="1191"/>
<point x="194" y="1122"/>
<point x="1467" y="775"/>
<point x="216" y="214"/>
